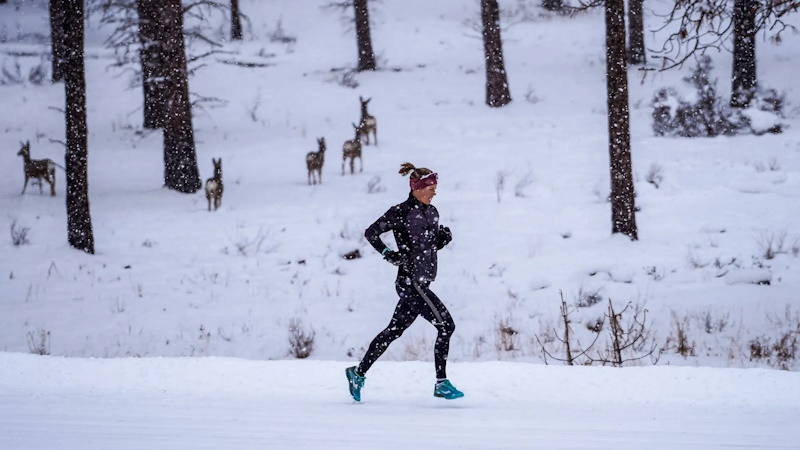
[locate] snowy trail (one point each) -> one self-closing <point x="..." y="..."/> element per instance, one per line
<point x="48" y="403"/>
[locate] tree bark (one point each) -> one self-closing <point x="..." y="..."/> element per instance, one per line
<point x="57" y="38"/>
<point x="744" y="53"/>
<point x="79" y="221"/>
<point x="636" y="52"/>
<point x="151" y="35"/>
<point x="180" y="157"/>
<point x="623" y="216"/>
<point x="366" y="57"/>
<point x="236" y="21"/>
<point x="497" y="93"/>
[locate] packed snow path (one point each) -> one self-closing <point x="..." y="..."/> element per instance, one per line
<point x="216" y="403"/>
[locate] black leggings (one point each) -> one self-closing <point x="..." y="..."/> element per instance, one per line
<point x="415" y="300"/>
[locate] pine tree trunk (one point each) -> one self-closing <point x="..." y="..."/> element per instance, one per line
<point x="497" y="93"/>
<point x="636" y="53"/>
<point x="79" y="221"/>
<point x="57" y="38"/>
<point x="744" y="53"/>
<point x="623" y="216"/>
<point x="236" y="21"/>
<point x="151" y="56"/>
<point x="180" y="157"/>
<point x="366" y="57"/>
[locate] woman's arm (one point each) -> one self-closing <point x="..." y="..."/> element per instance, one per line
<point x="385" y="223"/>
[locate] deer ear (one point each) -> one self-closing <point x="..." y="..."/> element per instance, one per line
<point x="27" y="143"/>
<point x="360" y="98"/>
<point x="368" y="100"/>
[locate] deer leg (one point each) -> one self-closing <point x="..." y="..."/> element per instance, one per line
<point x="375" y="132"/>
<point x="343" y="161"/>
<point x="41" y="191"/>
<point x="320" y="176"/>
<point x="209" y="202"/>
<point x="24" y="186"/>
<point x="309" y="178"/>
<point x="52" y="181"/>
<point x="367" y="136"/>
<point x="361" y="163"/>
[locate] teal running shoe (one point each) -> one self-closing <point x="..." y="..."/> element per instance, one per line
<point x="445" y="389"/>
<point x="355" y="382"/>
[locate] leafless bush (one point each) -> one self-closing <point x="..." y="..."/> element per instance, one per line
<point x="531" y="97"/>
<point x="630" y="339"/>
<point x="771" y="244"/>
<point x="680" y="342"/>
<point x="19" y="235"/>
<point x="774" y="164"/>
<point x="655" y="272"/>
<point x="344" y="77"/>
<point x="713" y="324"/>
<point x="588" y="297"/>
<point x="251" y="245"/>
<point x="785" y="350"/>
<point x="280" y="35"/>
<point x="39" y="342"/>
<point x="522" y="184"/>
<point x="655" y="175"/>
<point x="252" y="110"/>
<point x="301" y="339"/>
<point x="695" y="262"/>
<point x="500" y="183"/>
<point x="374" y="185"/>
<point x="9" y="77"/>
<point x="506" y="336"/>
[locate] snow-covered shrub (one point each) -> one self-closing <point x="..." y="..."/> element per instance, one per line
<point x="588" y="297"/>
<point x="301" y="338"/>
<point x="709" y="114"/>
<point x="39" y="342"/>
<point x="655" y="175"/>
<point x="680" y="342"/>
<point x="19" y="235"/>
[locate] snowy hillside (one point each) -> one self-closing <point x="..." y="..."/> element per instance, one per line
<point x="716" y="265"/>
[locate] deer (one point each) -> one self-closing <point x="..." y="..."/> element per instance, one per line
<point x="352" y="149"/>
<point x="368" y="122"/>
<point x="37" y="168"/>
<point x="314" y="162"/>
<point x="214" y="185"/>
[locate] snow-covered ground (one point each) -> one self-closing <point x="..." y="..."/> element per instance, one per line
<point x="212" y="403"/>
<point x="171" y="279"/>
<point x="716" y="263"/>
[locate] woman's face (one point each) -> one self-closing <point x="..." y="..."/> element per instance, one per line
<point x="425" y="195"/>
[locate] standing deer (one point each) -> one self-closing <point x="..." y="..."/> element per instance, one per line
<point x="368" y="123"/>
<point x="352" y="149"/>
<point x="315" y="160"/>
<point x="214" y="185"/>
<point x="38" y="168"/>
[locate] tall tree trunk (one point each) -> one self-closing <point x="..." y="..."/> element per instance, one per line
<point x="151" y="35"/>
<point x="636" y="54"/>
<point x="79" y="222"/>
<point x="497" y="93"/>
<point x="744" y="52"/>
<point x="623" y="216"/>
<point x="57" y="38"/>
<point x="236" y="21"/>
<point x="366" y="57"/>
<point x="180" y="157"/>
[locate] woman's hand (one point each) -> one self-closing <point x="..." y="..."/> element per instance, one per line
<point x="444" y="237"/>
<point x="396" y="258"/>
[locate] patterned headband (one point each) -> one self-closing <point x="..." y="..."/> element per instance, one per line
<point x="423" y="182"/>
